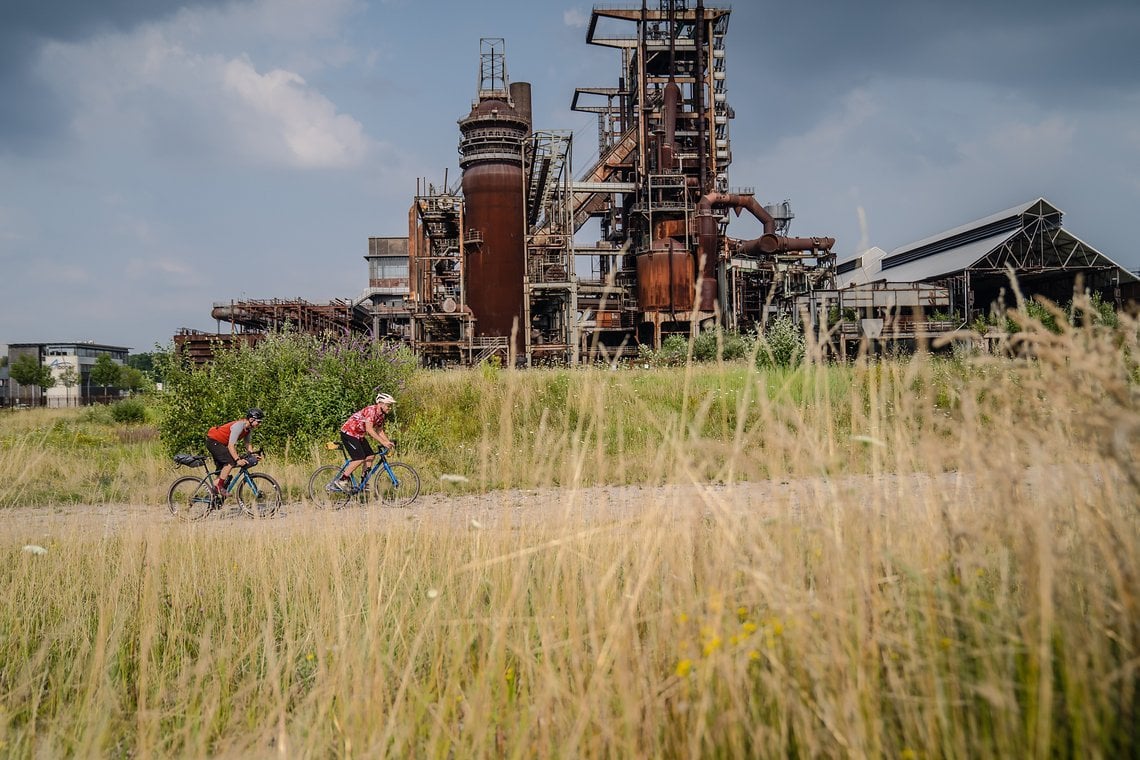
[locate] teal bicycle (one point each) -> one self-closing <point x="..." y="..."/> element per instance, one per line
<point x="393" y="484"/>
<point x="192" y="497"/>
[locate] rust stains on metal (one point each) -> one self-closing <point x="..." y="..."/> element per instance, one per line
<point x="770" y="244"/>
<point x="665" y="278"/>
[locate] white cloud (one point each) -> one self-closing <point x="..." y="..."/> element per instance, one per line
<point x="157" y="88"/>
<point x="575" y="17"/>
<point x="282" y="119"/>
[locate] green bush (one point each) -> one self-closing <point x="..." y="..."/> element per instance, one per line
<point x="1093" y="310"/>
<point x="674" y="350"/>
<point x="720" y="344"/>
<point x="129" y="411"/>
<point x="782" y="344"/>
<point x="1038" y="312"/>
<point x="306" y="385"/>
<point x="708" y="346"/>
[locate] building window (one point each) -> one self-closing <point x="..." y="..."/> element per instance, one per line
<point x="388" y="268"/>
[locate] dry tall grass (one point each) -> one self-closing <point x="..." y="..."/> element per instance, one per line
<point x="943" y="562"/>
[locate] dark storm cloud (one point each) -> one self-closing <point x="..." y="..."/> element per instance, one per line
<point x="811" y="53"/>
<point x="30" y="114"/>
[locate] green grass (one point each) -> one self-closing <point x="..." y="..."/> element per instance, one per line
<point x="935" y="559"/>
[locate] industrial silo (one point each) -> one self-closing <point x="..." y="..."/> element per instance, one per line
<point x="490" y="150"/>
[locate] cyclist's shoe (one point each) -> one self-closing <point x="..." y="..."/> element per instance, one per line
<point x="340" y="485"/>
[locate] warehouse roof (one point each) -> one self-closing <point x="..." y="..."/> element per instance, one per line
<point x="1028" y="237"/>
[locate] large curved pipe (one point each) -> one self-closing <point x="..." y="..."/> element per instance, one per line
<point x="707" y="234"/>
<point x="769" y="244"/>
<point x="739" y="202"/>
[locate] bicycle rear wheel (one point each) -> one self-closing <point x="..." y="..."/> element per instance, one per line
<point x="259" y="495"/>
<point x="190" y="498"/>
<point x="398" y="490"/>
<point x="322" y="491"/>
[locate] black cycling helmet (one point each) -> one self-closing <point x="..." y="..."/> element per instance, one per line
<point x="255" y="414"/>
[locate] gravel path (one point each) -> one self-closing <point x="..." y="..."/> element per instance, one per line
<point x="513" y="508"/>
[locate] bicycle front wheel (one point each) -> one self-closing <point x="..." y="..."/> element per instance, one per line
<point x="259" y="495"/>
<point x="323" y="491"/>
<point x="399" y="488"/>
<point x="190" y="498"/>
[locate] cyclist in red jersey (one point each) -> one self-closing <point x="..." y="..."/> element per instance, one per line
<point x="222" y="440"/>
<point x="354" y="434"/>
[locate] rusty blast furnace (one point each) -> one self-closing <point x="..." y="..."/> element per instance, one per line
<point x="495" y="268"/>
<point x="491" y="158"/>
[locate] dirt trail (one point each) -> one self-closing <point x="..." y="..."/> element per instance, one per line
<point x="508" y="509"/>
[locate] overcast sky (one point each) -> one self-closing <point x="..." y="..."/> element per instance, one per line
<point x="158" y="157"/>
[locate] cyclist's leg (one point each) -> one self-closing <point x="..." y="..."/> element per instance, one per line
<point x="358" y="451"/>
<point x="222" y="460"/>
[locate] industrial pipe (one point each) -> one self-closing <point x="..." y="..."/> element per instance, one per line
<point x="707" y="235"/>
<point x="769" y="243"/>
<point x="672" y="104"/>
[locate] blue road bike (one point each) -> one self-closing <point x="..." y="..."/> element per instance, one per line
<point x="393" y="484"/>
<point x="192" y="497"/>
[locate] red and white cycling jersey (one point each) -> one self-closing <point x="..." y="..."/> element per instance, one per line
<point x="357" y="425"/>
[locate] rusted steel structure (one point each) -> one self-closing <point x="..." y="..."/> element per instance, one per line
<point x="251" y="320"/>
<point x="661" y="189"/>
<point x="494" y="273"/>
<point x="267" y="315"/>
<point x="199" y="346"/>
<point x="491" y="159"/>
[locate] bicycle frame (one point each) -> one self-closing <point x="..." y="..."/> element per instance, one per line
<point x="236" y="479"/>
<point x="398" y="485"/>
<point x="380" y="463"/>
<point x="256" y="493"/>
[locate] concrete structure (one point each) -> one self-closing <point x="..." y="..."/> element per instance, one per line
<point x="386" y="296"/>
<point x="71" y="364"/>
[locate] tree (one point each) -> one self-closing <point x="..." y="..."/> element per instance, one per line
<point x="132" y="378"/>
<point x="143" y="362"/>
<point x="150" y="362"/>
<point x="27" y="370"/>
<point x="105" y="372"/>
<point x="68" y="378"/>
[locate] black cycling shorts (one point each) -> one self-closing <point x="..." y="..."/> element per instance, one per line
<point x="220" y="452"/>
<point x="357" y="448"/>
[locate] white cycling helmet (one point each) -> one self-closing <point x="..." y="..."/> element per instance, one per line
<point x="384" y="398"/>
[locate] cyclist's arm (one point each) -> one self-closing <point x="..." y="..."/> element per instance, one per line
<point x="235" y="436"/>
<point x="379" y="435"/>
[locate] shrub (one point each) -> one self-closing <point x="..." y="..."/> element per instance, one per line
<point x="1093" y="309"/>
<point x="306" y="385"/>
<point x="782" y="344"/>
<point x="708" y="346"/>
<point x="720" y="344"/>
<point x="674" y="350"/>
<point x="129" y="411"/>
<point x="1038" y="312"/>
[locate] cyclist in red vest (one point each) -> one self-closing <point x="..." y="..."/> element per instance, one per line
<point x="222" y="440"/>
<point x="354" y="434"/>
